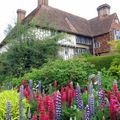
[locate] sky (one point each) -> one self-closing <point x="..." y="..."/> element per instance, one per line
<point x="82" y="8"/>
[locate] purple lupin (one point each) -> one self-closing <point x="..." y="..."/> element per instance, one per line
<point x="31" y="89"/>
<point x="91" y="104"/>
<point x="100" y="98"/>
<point x="87" y="113"/>
<point x="78" y="97"/>
<point x="90" y="88"/>
<point x="58" y="107"/>
<point x="8" y="115"/>
<point x="20" y="102"/>
<point x="99" y="81"/>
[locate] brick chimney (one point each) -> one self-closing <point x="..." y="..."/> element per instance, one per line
<point x="43" y="2"/>
<point x="20" y="15"/>
<point x="103" y="10"/>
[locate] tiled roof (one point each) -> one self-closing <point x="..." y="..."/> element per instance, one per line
<point x="52" y="18"/>
<point x="45" y="16"/>
<point x="100" y="26"/>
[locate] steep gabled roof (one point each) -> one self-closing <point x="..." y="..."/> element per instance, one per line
<point x="100" y="26"/>
<point x="46" y="16"/>
<point x="52" y="18"/>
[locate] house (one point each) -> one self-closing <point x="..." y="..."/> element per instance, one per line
<point x="82" y="35"/>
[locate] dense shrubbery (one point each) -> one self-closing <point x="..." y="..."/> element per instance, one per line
<point x="115" y="68"/>
<point x="62" y="71"/>
<point x="102" y="61"/>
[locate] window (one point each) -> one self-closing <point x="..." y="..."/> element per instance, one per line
<point x="116" y="34"/>
<point x="66" y="51"/>
<point x="97" y="44"/>
<point x="83" y="40"/>
<point x="78" y="51"/>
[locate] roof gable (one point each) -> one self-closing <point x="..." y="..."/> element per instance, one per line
<point x="100" y="26"/>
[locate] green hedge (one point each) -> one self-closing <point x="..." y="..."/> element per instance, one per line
<point x="102" y="61"/>
<point x="61" y="71"/>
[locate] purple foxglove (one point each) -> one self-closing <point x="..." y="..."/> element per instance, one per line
<point x="78" y="97"/>
<point x="29" y="114"/>
<point x="87" y="113"/>
<point x="91" y="104"/>
<point x="8" y="115"/>
<point x="58" y="107"/>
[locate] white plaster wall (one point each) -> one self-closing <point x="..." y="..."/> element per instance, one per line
<point x="39" y="33"/>
<point x="65" y="56"/>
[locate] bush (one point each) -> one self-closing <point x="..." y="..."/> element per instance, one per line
<point x="102" y="61"/>
<point x="62" y="71"/>
<point x="8" y="96"/>
<point x="115" y="68"/>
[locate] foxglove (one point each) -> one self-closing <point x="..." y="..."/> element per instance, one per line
<point x="8" y="115"/>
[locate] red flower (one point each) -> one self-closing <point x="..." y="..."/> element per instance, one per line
<point x="34" y="117"/>
<point x="63" y="97"/>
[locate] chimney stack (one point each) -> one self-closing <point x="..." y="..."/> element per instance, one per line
<point x="103" y="10"/>
<point x="20" y="15"/>
<point x="43" y="2"/>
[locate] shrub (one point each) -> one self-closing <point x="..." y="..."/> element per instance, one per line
<point x="62" y="71"/>
<point x="102" y="61"/>
<point x="115" y="68"/>
<point x="13" y="97"/>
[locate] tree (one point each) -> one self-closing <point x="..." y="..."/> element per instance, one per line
<point x="25" y="51"/>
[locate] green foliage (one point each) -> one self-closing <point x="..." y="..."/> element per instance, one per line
<point x="62" y="71"/>
<point x="115" y="68"/>
<point x="25" y="51"/>
<point x="102" y="61"/>
<point x="13" y="97"/>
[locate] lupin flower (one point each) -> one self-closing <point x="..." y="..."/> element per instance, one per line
<point x="70" y="97"/>
<point x="39" y="87"/>
<point x="31" y="90"/>
<point x="115" y="87"/>
<point x="20" y="103"/>
<point x="55" y="85"/>
<point x="87" y="113"/>
<point x="8" y="115"/>
<point x="51" y="108"/>
<point x="90" y="88"/>
<point x="99" y="81"/>
<point x="58" y="107"/>
<point x="34" y="117"/>
<point x="78" y="97"/>
<point x="29" y="114"/>
<point x="91" y="104"/>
